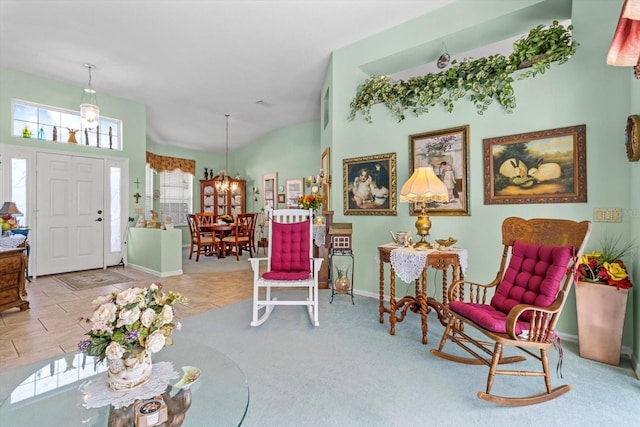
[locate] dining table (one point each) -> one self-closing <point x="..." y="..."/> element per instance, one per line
<point x="219" y="230"/>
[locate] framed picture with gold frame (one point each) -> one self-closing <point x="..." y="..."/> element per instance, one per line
<point x="370" y="185"/>
<point x="446" y="150"/>
<point x="325" y="168"/>
<point x="547" y="166"/>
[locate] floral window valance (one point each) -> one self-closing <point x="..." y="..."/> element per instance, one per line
<point x="163" y="163"/>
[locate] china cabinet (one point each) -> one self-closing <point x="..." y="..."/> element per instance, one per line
<point x="229" y="203"/>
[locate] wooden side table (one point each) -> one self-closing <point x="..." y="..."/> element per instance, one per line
<point x="439" y="260"/>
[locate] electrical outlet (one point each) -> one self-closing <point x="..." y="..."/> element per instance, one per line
<point x="607" y="214"/>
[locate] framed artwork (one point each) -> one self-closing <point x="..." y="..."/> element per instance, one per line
<point x="447" y="151"/>
<point x="370" y="185"/>
<point x="325" y="168"/>
<point x="269" y="182"/>
<point x="281" y="198"/>
<point x="547" y="166"/>
<point x="295" y="189"/>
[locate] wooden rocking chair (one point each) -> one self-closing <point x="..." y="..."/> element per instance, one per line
<point x="528" y="296"/>
<point x="290" y="264"/>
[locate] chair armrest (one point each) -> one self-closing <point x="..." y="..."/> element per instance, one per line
<point x="467" y="291"/>
<point x="542" y="322"/>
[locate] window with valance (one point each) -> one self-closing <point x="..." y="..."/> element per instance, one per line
<point x="174" y="197"/>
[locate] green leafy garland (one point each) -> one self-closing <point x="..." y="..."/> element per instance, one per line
<point x="484" y="79"/>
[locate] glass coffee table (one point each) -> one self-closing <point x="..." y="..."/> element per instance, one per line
<point x="48" y="392"/>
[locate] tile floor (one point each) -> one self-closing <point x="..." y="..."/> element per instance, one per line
<point x="52" y="325"/>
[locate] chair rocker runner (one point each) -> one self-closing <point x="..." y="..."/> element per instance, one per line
<point x="289" y="264"/>
<point x="528" y="296"/>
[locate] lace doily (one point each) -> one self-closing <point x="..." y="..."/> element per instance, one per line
<point x="319" y="231"/>
<point x="408" y="263"/>
<point x="98" y="394"/>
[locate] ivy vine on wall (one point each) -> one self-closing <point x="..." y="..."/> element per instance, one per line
<point x="484" y="79"/>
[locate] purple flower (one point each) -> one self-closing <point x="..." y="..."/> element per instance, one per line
<point x="84" y="345"/>
<point x="131" y="336"/>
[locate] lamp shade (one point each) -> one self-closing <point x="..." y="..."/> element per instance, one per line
<point x="424" y="185"/>
<point x="10" y="208"/>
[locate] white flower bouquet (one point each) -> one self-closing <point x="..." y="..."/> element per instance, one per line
<point x="127" y="323"/>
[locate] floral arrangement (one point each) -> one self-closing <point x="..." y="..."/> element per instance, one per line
<point x="129" y="322"/>
<point x="310" y="201"/>
<point x="606" y="265"/>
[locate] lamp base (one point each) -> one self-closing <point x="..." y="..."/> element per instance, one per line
<point x="423" y="244"/>
<point x="423" y="225"/>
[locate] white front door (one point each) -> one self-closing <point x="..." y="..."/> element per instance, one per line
<point x="70" y="213"/>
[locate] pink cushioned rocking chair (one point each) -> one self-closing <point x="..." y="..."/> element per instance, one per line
<point x="528" y="296"/>
<point x="290" y="264"/>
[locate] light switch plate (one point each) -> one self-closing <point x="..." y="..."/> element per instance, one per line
<point x="607" y="214"/>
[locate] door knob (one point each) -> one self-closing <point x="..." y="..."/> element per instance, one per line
<point x="99" y="219"/>
<point x="99" y="211"/>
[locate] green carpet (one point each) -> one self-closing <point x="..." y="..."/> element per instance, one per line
<point x="350" y="372"/>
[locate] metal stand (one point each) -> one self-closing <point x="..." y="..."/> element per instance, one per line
<point x="342" y="252"/>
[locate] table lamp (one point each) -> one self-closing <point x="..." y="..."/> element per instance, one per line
<point x="424" y="186"/>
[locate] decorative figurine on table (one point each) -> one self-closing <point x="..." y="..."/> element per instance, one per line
<point x="168" y="224"/>
<point x="55" y="133"/>
<point x="142" y="223"/>
<point x="86" y="137"/>
<point x="153" y="222"/>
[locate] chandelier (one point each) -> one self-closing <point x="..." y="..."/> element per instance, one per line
<point x="224" y="184"/>
<point x="89" y="110"/>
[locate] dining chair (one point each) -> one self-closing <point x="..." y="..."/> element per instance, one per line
<point x="241" y="238"/>
<point x="202" y="241"/>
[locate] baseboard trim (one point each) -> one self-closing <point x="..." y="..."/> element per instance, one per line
<point x="154" y="272"/>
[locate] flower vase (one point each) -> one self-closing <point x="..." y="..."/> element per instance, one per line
<point x="125" y="374"/>
<point x="601" y="311"/>
<point x="342" y="283"/>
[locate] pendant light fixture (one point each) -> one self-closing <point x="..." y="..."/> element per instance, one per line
<point x="89" y="110"/>
<point x="223" y="185"/>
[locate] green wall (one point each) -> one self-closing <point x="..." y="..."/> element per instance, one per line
<point x="292" y="152"/>
<point x="583" y="91"/>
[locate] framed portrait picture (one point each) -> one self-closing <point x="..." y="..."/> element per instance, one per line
<point x="370" y="185"/>
<point x="447" y="151"/>
<point x="325" y="168"/>
<point x="295" y="189"/>
<point x="282" y="198"/>
<point x="547" y="166"/>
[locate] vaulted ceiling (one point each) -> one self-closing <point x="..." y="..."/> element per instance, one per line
<point x="191" y="62"/>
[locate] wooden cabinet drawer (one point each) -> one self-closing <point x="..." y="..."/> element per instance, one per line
<point x="12" y="263"/>
<point x="8" y="295"/>
<point x="9" y="280"/>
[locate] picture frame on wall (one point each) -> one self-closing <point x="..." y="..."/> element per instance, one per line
<point x="325" y="168"/>
<point x="295" y="189"/>
<point x="547" y="166"/>
<point x="281" y="198"/>
<point x="447" y="151"/>
<point x="370" y="185"/>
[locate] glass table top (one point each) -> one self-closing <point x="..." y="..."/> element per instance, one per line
<point x="48" y="392"/>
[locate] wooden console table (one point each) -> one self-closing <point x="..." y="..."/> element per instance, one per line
<point x="13" y="264"/>
<point x="439" y="260"/>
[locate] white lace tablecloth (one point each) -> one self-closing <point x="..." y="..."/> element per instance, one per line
<point x="98" y="394"/>
<point x="408" y="263"/>
<point x="10" y="242"/>
<point x="319" y="232"/>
